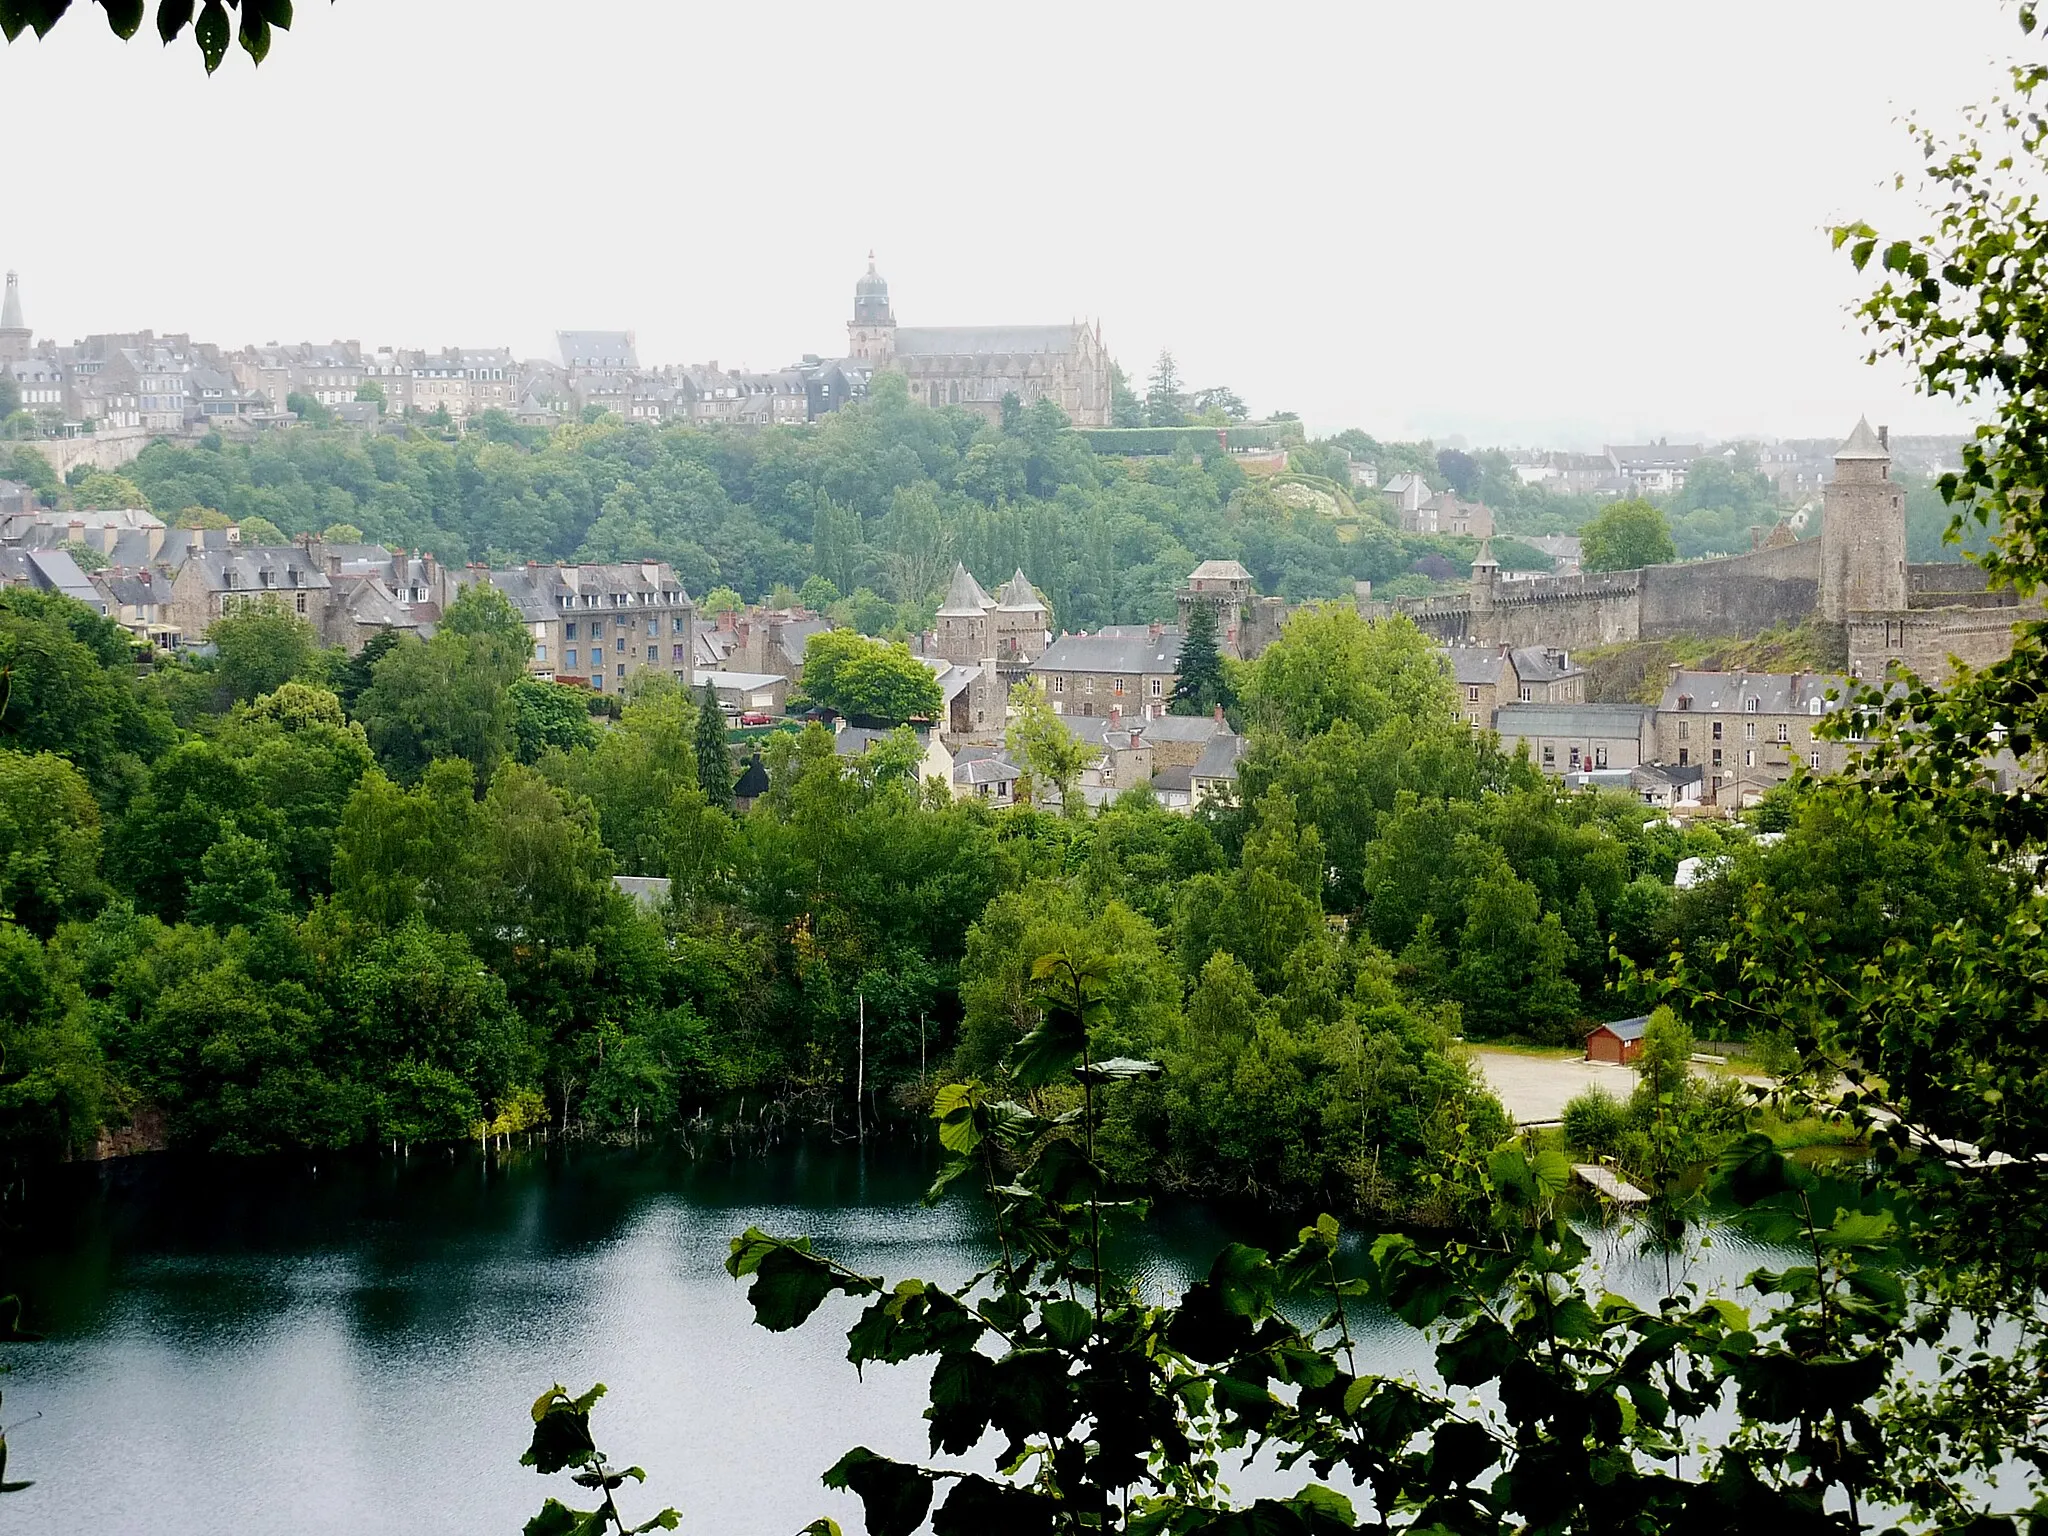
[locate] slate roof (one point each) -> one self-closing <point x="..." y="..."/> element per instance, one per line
<point x="1199" y="729"/>
<point x="1219" y="570"/>
<point x="242" y="568"/>
<point x="985" y="340"/>
<point x="1474" y="664"/>
<point x="1107" y="652"/>
<point x="987" y="770"/>
<point x="597" y="348"/>
<point x="740" y="680"/>
<point x="1776" y="693"/>
<point x="1656" y="455"/>
<point x="752" y="782"/>
<point x="1018" y="596"/>
<point x="1542" y="663"/>
<point x="1862" y="443"/>
<point x="1219" y="758"/>
<point x="965" y="596"/>
<point x="1624" y="1029"/>
<point x="132" y="589"/>
<point x="1612" y="721"/>
<point x="1177" y="780"/>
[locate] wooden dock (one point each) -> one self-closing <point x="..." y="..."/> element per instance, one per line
<point x="1610" y="1184"/>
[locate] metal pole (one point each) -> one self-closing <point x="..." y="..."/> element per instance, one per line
<point x="860" y="1070"/>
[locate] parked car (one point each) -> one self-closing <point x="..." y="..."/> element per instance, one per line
<point x="756" y="717"/>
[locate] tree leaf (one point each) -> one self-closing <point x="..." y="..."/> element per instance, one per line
<point x="894" y="1496"/>
<point x="173" y="17"/>
<point x="210" y="31"/>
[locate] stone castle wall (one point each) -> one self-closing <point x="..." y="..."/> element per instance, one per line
<point x="1739" y="596"/>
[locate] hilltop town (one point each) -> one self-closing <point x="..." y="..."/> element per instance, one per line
<point x="1533" y="644"/>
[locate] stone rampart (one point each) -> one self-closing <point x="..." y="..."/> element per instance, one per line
<point x="1738" y="596"/>
<point x="108" y="449"/>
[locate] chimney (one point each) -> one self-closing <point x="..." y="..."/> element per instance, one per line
<point x="1219" y="715"/>
<point x="1884" y="438"/>
<point x="725" y="621"/>
<point x="1116" y="715"/>
<point x="333" y="564"/>
<point x="1158" y="629"/>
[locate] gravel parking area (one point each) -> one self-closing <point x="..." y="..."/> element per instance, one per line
<point x="1535" y="1088"/>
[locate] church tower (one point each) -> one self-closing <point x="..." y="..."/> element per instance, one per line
<point x="16" y="339"/>
<point x="871" y="333"/>
<point x="1862" y="531"/>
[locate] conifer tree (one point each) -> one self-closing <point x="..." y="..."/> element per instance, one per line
<point x="714" y="760"/>
<point x="1203" y="684"/>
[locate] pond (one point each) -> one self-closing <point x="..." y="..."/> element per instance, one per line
<point x="352" y="1345"/>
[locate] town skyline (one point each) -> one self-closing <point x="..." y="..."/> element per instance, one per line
<point x="1477" y="284"/>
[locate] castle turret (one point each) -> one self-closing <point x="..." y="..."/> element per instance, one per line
<point x="1862" y="531"/>
<point x="1485" y="577"/>
<point x="871" y="333"/>
<point x="966" y="629"/>
<point x="16" y="338"/>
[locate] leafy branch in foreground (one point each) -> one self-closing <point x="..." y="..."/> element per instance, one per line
<point x="208" y="22"/>
<point x="1559" y="1406"/>
<point x="562" y="1442"/>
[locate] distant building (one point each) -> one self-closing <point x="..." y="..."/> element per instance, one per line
<point x="976" y="366"/>
<point x="1490" y="676"/>
<point x="1565" y="739"/>
<point x="1445" y="512"/>
<point x="600" y="624"/>
<point x="1653" y="469"/>
<point x="1131" y="668"/>
<point x="16" y="339"/>
<point x="1748" y="730"/>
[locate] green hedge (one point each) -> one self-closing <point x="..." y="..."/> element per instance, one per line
<point x="1167" y="440"/>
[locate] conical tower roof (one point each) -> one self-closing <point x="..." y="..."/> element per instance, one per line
<point x="965" y="596"/>
<point x="1484" y="559"/>
<point x="1019" y="596"/>
<point x="1863" y="443"/>
<point x="10" y="306"/>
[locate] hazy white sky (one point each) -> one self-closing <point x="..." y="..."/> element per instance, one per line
<point x="1560" y="223"/>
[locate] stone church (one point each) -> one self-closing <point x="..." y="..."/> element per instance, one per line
<point x="974" y="366"/>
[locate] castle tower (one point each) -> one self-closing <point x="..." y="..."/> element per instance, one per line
<point x="1485" y="579"/>
<point x="871" y="333"/>
<point x="966" y="630"/>
<point x="16" y="339"/>
<point x="1862" y="531"/>
<point x="1021" y="618"/>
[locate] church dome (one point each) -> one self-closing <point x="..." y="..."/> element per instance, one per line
<point x="873" y="285"/>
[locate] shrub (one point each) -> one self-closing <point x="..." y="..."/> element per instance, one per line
<point x="1596" y="1123"/>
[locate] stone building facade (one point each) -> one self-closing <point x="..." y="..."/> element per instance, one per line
<point x="996" y="638"/>
<point x="600" y="625"/>
<point x="976" y="366"/>
<point x="1128" y="668"/>
<point x="1749" y="730"/>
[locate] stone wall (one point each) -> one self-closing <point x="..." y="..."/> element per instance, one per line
<point x="106" y="449"/>
<point x="1739" y="596"/>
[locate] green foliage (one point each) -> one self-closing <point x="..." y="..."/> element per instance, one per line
<point x="562" y="1443"/>
<point x="1625" y="536"/>
<point x="262" y="646"/>
<point x="1202" y="683"/>
<point x="548" y="716"/>
<point x="868" y="679"/>
<point x="714" y="755"/>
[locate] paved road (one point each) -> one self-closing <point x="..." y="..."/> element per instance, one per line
<point x="1537" y="1087"/>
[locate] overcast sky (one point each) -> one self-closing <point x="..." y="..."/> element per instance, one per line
<point x="1559" y="223"/>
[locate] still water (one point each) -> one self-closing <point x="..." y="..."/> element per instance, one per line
<point x="278" y="1347"/>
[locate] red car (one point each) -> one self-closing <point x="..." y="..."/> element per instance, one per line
<point x="755" y="717"/>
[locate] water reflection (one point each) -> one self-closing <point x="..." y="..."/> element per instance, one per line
<point x="350" y="1346"/>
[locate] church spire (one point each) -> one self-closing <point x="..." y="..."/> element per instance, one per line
<point x="10" y="306"/>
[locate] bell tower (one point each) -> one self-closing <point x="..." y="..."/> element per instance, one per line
<point x="871" y="333"/>
<point x="16" y="339"/>
<point x="1862" y="531"/>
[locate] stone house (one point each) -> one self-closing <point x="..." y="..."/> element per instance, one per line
<point x="600" y="625"/>
<point x="1175" y="741"/>
<point x="1128" y="667"/>
<point x="742" y="692"/>
<point x="1445" y="512"/>
<point x="215" y="581"/>
<point x="1748" y="729"/>
<point x="1577" y="738"/>
<point x="1489" y="676"/>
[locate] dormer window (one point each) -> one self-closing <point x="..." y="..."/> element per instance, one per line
<point x="1685" y="701"/>
<point x="1813" y="706"/>
<point x="1752" y="705"/>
